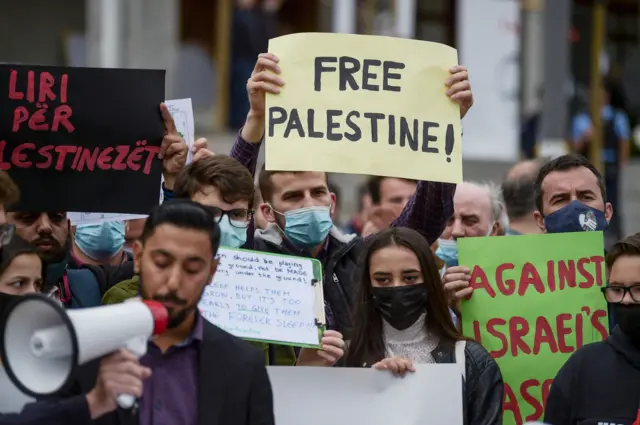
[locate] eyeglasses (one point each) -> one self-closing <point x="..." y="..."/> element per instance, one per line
<point x="238" y="217"/>
<point x="6" y="234"/>
<point x="615" y="294"/>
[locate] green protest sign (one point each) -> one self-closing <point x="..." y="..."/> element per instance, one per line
<point x="536" y="300"/>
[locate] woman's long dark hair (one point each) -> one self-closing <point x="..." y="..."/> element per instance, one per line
<point x="366" y="345"/>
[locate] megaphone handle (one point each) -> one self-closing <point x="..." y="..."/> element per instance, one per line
<point x="126" y="401"/>
<point x="137" y="347"/>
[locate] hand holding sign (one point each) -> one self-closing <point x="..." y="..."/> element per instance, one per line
<point x="456" y="284"/>
<point x="173" y="150"/>
<point x="200" y="149"/>
<point x="460" y="89"/>
<point x="263" y="80"/>
<point x="397" y="365"/>
<point x="332" y="351"/>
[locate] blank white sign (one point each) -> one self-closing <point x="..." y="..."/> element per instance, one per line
<point x="347" y="396"/>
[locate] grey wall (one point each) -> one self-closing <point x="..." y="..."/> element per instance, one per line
<point x="31" y="31"/>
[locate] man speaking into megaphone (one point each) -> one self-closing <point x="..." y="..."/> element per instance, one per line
<point x="42" y="345"/>
<point x="200" y="373"/>
<point x="120" y="372"/>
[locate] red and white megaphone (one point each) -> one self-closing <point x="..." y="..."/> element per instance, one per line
<point x="42" y="343"/>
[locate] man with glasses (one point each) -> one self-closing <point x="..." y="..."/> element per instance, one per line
<point x="218" y="182"/>
<point x="222" y="183"/>
<point x="225" y="185"/>
<point x="600" y="383"/>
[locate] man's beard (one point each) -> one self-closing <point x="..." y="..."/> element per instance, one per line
<point x="176" y="316"/>
<point x="56" y="253"/>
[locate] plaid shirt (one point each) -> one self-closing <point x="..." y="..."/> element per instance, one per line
<point x="426" y="212"/>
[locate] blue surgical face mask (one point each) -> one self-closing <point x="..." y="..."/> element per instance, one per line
<point x="308" y="227"/>
<point x="575" y="217"/>
<point x="232" y="236"/>
<point x="448" y="251"/>
<point x="100" y="241"/>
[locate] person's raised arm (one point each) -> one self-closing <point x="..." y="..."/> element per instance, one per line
<point x="173" y="150"/>
<point x="173" y="153"/>
<point x="428" y="210"/>
<point x="431" y="205"/>
<point x="264" y="79"/>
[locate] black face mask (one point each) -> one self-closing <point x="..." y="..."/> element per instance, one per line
<point x="401" y="306"/>
<point x="628" y="318"/>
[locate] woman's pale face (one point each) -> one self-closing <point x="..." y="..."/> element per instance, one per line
<point x="23" y="276"/>
<point x="394" y="266"/>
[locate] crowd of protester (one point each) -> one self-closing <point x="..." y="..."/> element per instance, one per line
<point x="393" y="283"/>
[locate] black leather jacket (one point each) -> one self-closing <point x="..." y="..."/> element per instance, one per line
<point x="483" y="387"/>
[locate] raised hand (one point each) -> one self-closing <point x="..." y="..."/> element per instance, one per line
<point x="173" y="150"/>
<point x="456" y="284"/>
<point x="460" y="88"/>
<point x="264" y="79"/>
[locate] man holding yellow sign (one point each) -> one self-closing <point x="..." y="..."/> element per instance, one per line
<point x="298" y="204"/>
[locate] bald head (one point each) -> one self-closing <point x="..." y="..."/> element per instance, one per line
<point x="517" y="189"/>
<point x="523" y="169"/>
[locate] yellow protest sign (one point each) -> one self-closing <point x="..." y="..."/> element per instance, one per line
<point x="364" y="105"/>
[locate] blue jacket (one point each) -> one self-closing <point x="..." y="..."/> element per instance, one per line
<point x="84" y="286"/>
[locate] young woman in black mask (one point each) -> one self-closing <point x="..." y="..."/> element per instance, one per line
<point x="600" y="383"/>
<point x="402" y="318"/>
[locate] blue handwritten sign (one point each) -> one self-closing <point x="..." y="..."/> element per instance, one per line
<point x="266" y="297"/>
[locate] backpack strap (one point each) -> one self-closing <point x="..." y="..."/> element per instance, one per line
<point x="460" y="357"/>
<point x="108" y="276"/>
<point x="84" y="288"/>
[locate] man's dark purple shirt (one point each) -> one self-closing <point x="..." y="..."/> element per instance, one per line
<point x="171" y="393"/>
